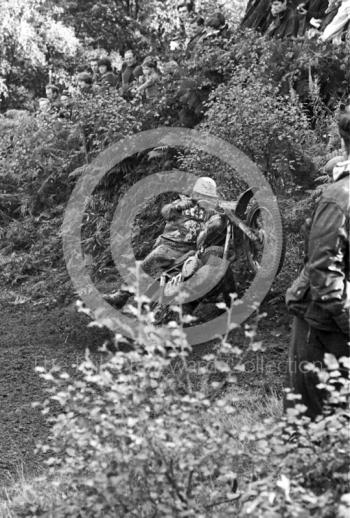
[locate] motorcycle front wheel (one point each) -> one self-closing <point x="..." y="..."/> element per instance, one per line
<point x="262" y="221"/>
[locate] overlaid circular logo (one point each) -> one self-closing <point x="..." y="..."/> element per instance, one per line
<point x="144" y="192"/>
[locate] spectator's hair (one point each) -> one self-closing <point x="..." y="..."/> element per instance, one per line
<point x="129" y="50"/>
<point x="85" y="77"/>
<point x="199" y="21"/>
<point x="189" y="6"/>
<point x="105" y="62"/>
<point x="52" y="87"/>
<point x="344" y="128"/>
<point x="84" y="68"/>
<point x="150" y="62"/>
<point x="216" y="20"/>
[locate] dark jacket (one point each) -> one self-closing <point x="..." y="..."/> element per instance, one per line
<point x="183" y="225"/>
<point x="314" y="9"/>
<point x="256" y="15"/>
<point x="129" y="74"/>
<point x="108" y="79"/>
<point x="324" y="285"/>
<point x="285" y="25"/>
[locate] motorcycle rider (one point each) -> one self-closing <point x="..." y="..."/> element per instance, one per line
<point x="186" y="219"/>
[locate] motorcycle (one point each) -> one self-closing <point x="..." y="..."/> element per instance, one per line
<point x="205" y="275"/>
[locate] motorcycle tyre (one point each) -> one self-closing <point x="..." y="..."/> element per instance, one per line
<point x="280" y="238"/>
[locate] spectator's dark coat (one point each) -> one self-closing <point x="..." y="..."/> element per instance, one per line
<point x="257" y="15"/>
<point x="285" y="25"/>
<point x="129" y="74"/>
<point x="108" y="79"/>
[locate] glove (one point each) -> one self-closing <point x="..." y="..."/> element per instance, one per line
<point x="201" y="238"/>
<point x="184" y="204"/>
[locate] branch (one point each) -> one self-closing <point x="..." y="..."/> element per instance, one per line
<point x="86" y="152"/>
<point x="226" y="501"/>
<point x="189" y="484"/>
<point x="171" y="478"/>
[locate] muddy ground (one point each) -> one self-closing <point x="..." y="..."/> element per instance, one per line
<point x="38" y="335"/>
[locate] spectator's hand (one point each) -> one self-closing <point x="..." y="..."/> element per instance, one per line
<point x="301" y="9"/>
<point x="316" y="22"/>
<point x="312" y="33"/>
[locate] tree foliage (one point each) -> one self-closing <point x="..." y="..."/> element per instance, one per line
<point x="108" y="24"/>
<point x="32" y="35"/>
<point x="131" y="440"/>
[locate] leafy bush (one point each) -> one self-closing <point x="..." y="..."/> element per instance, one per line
<point x="308" y="472"/>
<point x="41" y="150"/>
<point x="147" y="434"/>
<point x="217" y="89"/>
<point x="273" y="133"/>
<point x="37" y="156"/>
<point x="287" y="134"/>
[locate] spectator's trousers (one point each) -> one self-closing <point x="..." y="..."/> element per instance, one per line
<point x="309" y="345"/>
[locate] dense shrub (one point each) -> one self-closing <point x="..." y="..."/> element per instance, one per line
<point x="41" y="150"/>
<point x="37" y="156"/>
<point x="145" y="434"/>
<point x="270" y="128"/>
<point x="217" y="90"/>
<point x="309" y="474"/>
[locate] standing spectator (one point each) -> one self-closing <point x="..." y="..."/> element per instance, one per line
<point x="195" y="34"/>
<point x="130" y="71"/>
<point x="331" y="12"/>
<point x="256" y="15"/>
<point x="339" y="25"/>
<point x="94" y="69"/>
<point x="52" y="103"/>
<point x="186" y="11"/>
<point x="283" y="20"/>
<point x="107" y="77"/>
<point x="310" y="16"/>
<point x="216" y="26"/>
<point x="186" y="16"/>
<point x="52" y="93"/>
<point x="151" y="78"/>
<point x="320" y="296"/>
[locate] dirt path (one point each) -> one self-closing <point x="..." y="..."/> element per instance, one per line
<point x="35" y="335"/>
<point x="31" y="336"/>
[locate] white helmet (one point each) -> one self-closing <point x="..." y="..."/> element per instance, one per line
<point x="204" y="187"/>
